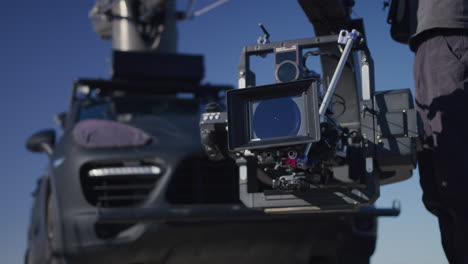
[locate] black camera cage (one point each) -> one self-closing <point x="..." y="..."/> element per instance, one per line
<point x="348" y="197"/>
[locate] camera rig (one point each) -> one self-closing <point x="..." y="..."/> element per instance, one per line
<point x="293" y="151"/>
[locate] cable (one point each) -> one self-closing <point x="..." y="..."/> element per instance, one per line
<point x="343" y="103"/>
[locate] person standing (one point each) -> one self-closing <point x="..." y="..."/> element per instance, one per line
<point x="440" y="43"/>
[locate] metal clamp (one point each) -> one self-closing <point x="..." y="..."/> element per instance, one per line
<point x="345" y="35"/>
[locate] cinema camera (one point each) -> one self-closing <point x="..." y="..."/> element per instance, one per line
<point x="293" y="152"/>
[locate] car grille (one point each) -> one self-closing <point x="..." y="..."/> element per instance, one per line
<point x="119" y="184"/>
<point x="197" y="180"/>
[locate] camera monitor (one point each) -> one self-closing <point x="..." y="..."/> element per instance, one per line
<point x="287" y="66"/>
<point x="273" y="115"/>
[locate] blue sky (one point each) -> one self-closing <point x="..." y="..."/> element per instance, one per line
<point x="45" y="45"/>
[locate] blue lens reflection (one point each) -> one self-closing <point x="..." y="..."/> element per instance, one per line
<point x="272" y="118"/>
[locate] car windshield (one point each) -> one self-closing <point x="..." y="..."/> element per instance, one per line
<point x="125" y="109"/>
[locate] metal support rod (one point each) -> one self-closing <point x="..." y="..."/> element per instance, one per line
<point x="336" y="76"/>
<point x="230" y="213"/>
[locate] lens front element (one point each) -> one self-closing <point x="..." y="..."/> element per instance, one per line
<point x="274" y="118"/>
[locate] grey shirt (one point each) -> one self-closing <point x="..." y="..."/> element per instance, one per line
<point x="439" y="14"/>
<point x="442" y="14"/>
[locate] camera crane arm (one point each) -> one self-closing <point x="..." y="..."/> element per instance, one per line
<point x="329" y="16"/>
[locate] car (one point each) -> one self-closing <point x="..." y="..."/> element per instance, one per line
<point x="128" y="182"/>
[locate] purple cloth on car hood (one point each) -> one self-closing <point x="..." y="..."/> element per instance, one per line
<point x="93" y="133"/>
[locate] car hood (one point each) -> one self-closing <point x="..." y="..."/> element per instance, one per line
<point x="170" y="129"/>
<point x="140" y="131"/>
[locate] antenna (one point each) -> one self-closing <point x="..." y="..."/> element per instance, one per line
<point x="266" y="36"/>
<point x="206" y="9"/>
